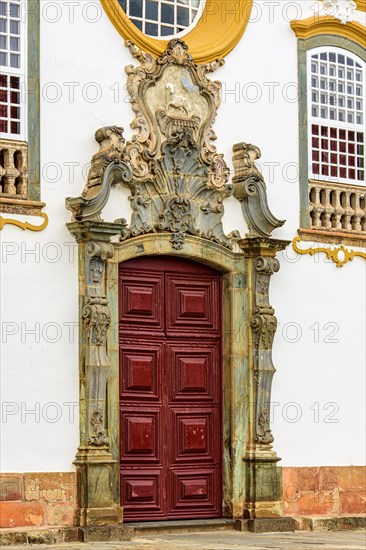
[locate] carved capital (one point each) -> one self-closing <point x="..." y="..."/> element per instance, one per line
<point x="100" y="250"/>
<point x="267" y="265"/>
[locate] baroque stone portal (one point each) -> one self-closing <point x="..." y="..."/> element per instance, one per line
<point x="178" y="183"/>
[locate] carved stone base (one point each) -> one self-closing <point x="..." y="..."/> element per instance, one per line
<point x="97" y="493"/>
<point x="264" y="487"/>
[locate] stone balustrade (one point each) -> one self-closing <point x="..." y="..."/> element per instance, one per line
<point x="337" y="207"/>
<point x="13" y="169"/>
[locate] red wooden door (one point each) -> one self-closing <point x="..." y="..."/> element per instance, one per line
<point x="170" y="389"/>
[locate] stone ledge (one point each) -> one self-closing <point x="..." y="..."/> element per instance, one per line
<point x="331" y="524"/>
<point x="181" y="526"/>
<point x="330" y="236"/>
<point x="10" y="204"/>
<point x="58" y="535"/>
<point x="266" y="525"/>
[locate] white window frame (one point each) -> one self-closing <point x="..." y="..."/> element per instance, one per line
<point x="20" y="72"/>
<point x="334" y="123"/>
<point x="159" y="23"/>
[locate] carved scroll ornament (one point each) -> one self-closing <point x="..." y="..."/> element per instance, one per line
<point x="250" y="190"/>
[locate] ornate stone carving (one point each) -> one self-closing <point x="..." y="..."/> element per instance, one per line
<point x="98" y="436"/>
<point x="250" y="190"/>
<point x="264" y="324"/>
<point x="111" y="143"/>
<point x="343" y="10"/>
<point x="264" y="328"/>
<point x="264" y="434"/>
<point x="96" y="317"/>
<point x="107" y="169"/>
<point x="176" y="170"/>
<point x="178" y="180"/>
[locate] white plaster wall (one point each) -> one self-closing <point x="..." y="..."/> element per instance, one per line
<point x="314" y="378"/>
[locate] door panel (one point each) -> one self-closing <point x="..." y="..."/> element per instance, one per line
<point x="194" y="494"/>
<point x="141" y="494"/>
<point x="140" y="365"/>
<point x="191" y="311"/>
<point x="170" y="389"/>
<point x="194" y="370"/>
<point x="141" y="302"/>
<point x="141" y="441"/>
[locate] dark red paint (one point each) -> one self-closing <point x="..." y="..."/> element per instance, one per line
<point x="170" y="389"/>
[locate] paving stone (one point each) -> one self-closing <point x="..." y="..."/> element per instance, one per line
<point x="225" y="540"/>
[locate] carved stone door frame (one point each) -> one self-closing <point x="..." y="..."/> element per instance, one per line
<point x="178" y="183"/>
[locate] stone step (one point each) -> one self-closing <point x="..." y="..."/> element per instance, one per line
<point x="181" y="526"/>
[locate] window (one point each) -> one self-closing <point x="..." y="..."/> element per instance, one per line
<point x="13" y="70"/>
<point x="19" y="107"/>
<point x="336" y="112"/>
<point x="210" y="28"/>
<point x="162" y="18"/>
<point x="331" y="72"/>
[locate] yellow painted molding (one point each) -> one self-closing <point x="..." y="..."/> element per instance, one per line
<point x="217" y="32"/>
<point x="331" y="253"/>
<point x="25" y="225"/>
<point x="361" y="5"/>
<point x="315" y="25"/>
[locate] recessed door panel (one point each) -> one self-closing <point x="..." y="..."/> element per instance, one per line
<point x="194" y="493"/>
<point x="194" y="441"/>
<point x="141" y="302"/>
<point x="170" y="389"/>
<point x="141" y="494"/>
<point x="194" y="371"/>
<point x="191" y="311"/>
<point x="141" y="437"/>
<point x="140" y="364"/>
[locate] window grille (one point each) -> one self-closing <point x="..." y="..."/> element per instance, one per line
<point x="336" y="113"/>
<point x="13" y="69"/>
<point x="162" y="18"/>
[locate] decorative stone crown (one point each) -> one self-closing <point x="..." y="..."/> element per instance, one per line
<point x="178" y="180"/>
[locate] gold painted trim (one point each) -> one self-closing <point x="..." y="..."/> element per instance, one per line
<point x="217" y="32"/>
<point x="25" y="225"/>
<point x="331" y="253"/>
<point x="315" y="25"/>
<point x="361" y="5"/>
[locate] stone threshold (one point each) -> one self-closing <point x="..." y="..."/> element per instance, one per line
<point x="56" y="535"/>
<point x="181" y="526"/>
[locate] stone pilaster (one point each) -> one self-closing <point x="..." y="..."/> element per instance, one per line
<point x="97" y="471"/>
<point x="263" y="477"/>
